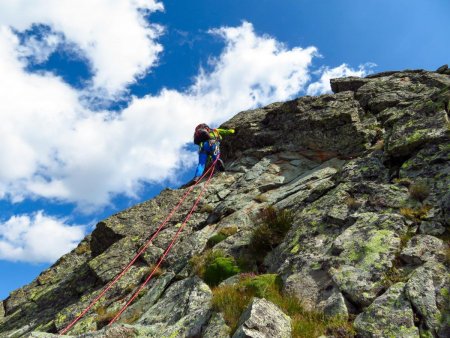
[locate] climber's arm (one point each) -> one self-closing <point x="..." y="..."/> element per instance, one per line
<point x="223" y="132"/>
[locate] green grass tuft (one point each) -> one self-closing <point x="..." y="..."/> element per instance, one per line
<point x="220" y="269"/>
<point x="232" y="300"/>
<point x="213" y="266"/>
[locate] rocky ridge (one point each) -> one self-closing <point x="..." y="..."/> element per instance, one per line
<point x="364" y="173"/>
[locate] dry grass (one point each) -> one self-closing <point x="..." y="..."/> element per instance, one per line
<point x="206" y="208"/>
<point x="416" y="215"/>
<point x="273" y="226"/>
<point x="352" y="203"/>
<point x="419" y="191"/>
<point x="103" y="317"/>
<point x="261" y="198"/>
<point x="82" y="248"/>
<point x="379" y="145"/>
<point x="406" y="182"/>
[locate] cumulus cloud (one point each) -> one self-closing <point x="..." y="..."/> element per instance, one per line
<point x="113" y="35"/>
<point x="53" y="147"/>
<point x="323" y="85"/>
<point x="37" y="238"/>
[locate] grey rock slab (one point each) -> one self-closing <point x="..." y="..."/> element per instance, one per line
<point x="2" y="310"/>
<point x="217" y="328"/>
<point x="304" y="287"/>
<point x="111" y="262"/>
<point x="390" y="315"/>
<point x="335" y="306"/>
<point x="351" y="83"/>
<point x="356" y="284"/>
<point x="263" y="319"/>
<point x="428" y="291"/>
<point x="148" y="299"/>
<point x="424" y="248"/>
<point x="431" y="228"/>
<point x="183" y="309"/>
<point x="406" y="136"/>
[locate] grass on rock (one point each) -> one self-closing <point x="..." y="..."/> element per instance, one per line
<point x="232" y="300"/>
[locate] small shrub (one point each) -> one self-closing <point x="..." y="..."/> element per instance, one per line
<point x="220" y="269"/>
<point x="229" y="231"/>
<point x="393" y="276"/>
<point x="416" y="214"/>
<point x="352" y="203"/>
<point x="419" y="191"/>
<point x="82" y="248"/>
<point x="214" y="266"/>
<point x="274" y="224"/>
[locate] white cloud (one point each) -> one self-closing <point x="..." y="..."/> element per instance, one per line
<point x="37" y="238"/>
<point x="323" y="85"/>
<point x="112" y="34"/>
<point x="54" y="148"/>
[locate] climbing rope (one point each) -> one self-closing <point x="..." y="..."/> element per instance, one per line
<point x="142" y="250"/>
<point x="135" y="295"/>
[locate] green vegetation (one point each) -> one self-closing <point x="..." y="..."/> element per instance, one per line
<point x="231" y="301"/>
<point x="223" y="234"/>
<point x="220" y="269"/>
<point x="273" y="226"/>
<point x="419" y="191"/>
<point x="103" y="317"/>
<point x="216" y="239"/>
<point x="417" y="214"/>
<point x="406" y="182"/>
<point x="214" y="266"/>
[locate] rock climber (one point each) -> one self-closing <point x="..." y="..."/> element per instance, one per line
<point x="208" y="141"/>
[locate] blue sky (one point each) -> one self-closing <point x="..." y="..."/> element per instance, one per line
<point x="88" y="100"/>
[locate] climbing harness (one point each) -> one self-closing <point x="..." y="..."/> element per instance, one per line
<point x="144" y="248"/>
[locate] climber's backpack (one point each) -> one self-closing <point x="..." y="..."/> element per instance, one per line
<point x="201" y="133"/>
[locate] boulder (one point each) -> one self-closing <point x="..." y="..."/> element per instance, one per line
<point x="263" y="319"/>
<point x="442" y="69"/>
<point x="431" y="228"/>
<point x="390" y="315"/>
<point x="424" y="248"/>
<point x="217" y="328"/>
<point x="428" y="291"/>
<point x="365" y="251"/>
<point x="182" y="311"/>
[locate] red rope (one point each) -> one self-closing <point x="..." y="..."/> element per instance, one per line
<point x="168" y="248"/>
<point x="141" y="251"/>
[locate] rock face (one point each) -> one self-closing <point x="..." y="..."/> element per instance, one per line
<point x="365" y="174"/>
